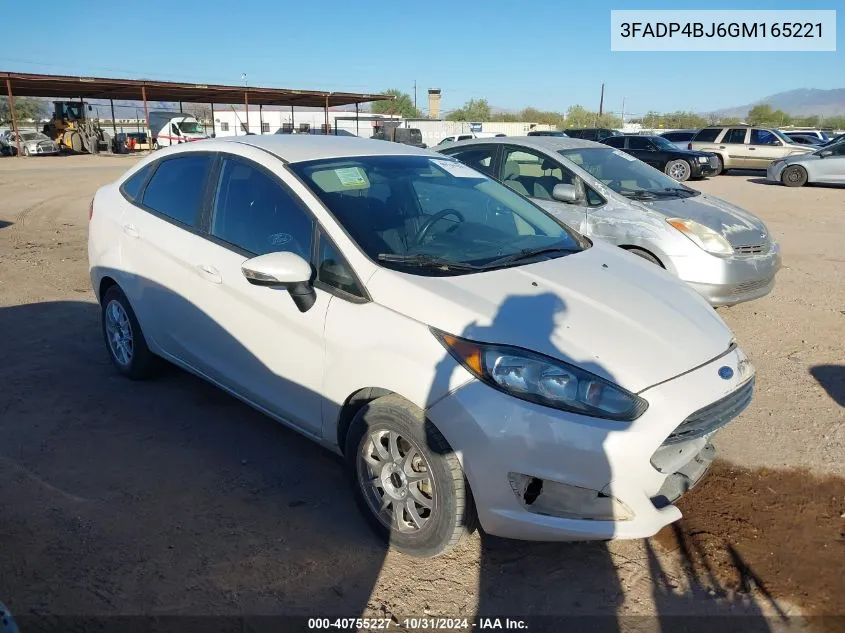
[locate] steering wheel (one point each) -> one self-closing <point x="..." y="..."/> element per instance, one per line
<point x="426" y="227"/>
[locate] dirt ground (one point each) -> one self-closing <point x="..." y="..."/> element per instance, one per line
<point x="171" y="498"/>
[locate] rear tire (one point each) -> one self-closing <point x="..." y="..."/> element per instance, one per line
<point x="679" y="170"/>
<point x="124" y="339"/>
<point x="26" y="151"/>
<point x="794" y="176"/>
<point x="406" y="478"/>
<point x="720" y="165"/>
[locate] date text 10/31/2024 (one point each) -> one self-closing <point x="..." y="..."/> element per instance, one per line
<point x="418" y="624"/>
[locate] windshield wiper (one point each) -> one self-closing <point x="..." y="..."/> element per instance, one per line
<point x="526" y="253"/>
<point x="634" y="194"/>
<point x="423" y="260"/>
<point x="673" y="191"/>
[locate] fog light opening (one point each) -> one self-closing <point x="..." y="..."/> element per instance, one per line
<point x="556" y="499"/>
<point x="532" y="490"/>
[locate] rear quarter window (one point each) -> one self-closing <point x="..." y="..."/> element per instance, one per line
<point x="707" y="135"/>
<point x="131" y="187"/>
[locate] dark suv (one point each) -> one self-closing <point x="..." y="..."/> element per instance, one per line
<point x="592" y="133"/>
<point x="662" y="154"/>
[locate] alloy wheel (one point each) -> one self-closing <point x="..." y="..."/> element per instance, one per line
<point x="396" y="480"/>
<point x="119" y="333"/>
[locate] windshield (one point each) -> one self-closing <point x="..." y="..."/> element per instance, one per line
<point x="190" y="127"/>
<point x="30" y="136"/>
<point x="783" y="137"/>
<point x="663" y="143"/>
<point x="420" y="208"/>
<point x="625" y="174"/>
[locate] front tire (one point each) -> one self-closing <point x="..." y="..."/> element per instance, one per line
<point x="26" y="151"/>
<point x="794" y="176"/>
<point x="679" y="170"/>
<point x="124" y="339"/>
<point x="407" y="480"/>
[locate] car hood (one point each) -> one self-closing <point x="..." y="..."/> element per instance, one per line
<point x="737" y="225"/>
<point x="603" y="309"/>
<point x="690" y="153"/>
<point x="802" y="158"/>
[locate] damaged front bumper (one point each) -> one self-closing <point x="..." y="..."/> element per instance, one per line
<point x="541" y="474"/>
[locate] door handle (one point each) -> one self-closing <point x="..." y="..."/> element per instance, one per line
<point x="752" y="149"/>
<point x="721" y="147"/>
<point x="131" y="230"/>
<point x="209" y="273"/>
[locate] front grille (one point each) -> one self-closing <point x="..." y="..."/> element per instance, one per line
<point x="748" y="286"/>
<point x="713" y="416"/>
<point x="751" y="249"/>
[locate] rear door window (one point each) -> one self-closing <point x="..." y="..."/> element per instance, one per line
<point x="735" y="136"/>
<point x="638" y="142"/>
<point x="480" y="158"/>
<point x="763" y="137"/>
<point x="178" y="187"/>
<point x="707" y="135"/>
<point x="615" y="141"/>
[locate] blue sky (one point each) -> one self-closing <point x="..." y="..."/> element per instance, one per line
<point x="547" y="54"/>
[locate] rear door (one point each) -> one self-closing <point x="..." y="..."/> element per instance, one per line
<point x="734" y="146"/>
<point x="479" y="157"/>
<point x="763" y="148"/>
<point x="160" y="232"/>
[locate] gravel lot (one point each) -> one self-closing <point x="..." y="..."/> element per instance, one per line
<point x="170" y="497"/>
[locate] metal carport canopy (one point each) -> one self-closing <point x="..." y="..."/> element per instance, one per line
<point x="72" y="87"/>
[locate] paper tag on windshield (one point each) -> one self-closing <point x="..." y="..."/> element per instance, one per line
<point x="351" y="177"/>
<point x="459" y="170"/>
<point x="623" y="155"/>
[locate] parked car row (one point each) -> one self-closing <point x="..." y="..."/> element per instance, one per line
<point x="460" y="326"/>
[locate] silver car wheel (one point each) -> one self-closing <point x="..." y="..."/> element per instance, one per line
<point x="119" y="333"/>
<point x="679" y="170"/>
<point x="396" y="480"/>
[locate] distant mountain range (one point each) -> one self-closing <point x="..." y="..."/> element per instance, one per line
<point x="800" y="102"/>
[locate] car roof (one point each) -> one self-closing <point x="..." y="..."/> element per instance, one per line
<point x="548" y="143"/>
<point x="294" y="148"/>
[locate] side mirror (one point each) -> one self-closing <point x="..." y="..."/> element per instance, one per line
<point x="826" y="152"/>
<point x="566" y="193"/>
<point x="283" y="270"/>
<point x="776" y="142"/>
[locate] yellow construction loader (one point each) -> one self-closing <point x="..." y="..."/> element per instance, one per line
<point x="74" y="131"/>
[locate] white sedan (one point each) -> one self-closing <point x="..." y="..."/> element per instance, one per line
<point x="471" y="357"/>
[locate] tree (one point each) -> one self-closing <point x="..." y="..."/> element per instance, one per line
<point x="402" y="105"/>
<point x="26" y="109"/>
<point x="762" y="114"/>
<point x="473" y="110"/>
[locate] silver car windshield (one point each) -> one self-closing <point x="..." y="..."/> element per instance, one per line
<point x="626" y="175"/>
<point x="190" y="127"/>
<point x="428" y="213"/>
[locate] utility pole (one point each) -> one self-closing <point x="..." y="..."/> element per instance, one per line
<point x="415" y="94"/>
<point x="623" y="111"/>
<point x="601" y="100"/>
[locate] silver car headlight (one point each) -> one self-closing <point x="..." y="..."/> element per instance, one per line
<point x="703" y="159"/>
<point x="537" y="378"/>
<point x="704" y="237"/>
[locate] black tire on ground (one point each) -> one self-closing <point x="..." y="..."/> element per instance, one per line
<point x="645" y="255"/>
<point x="142" y="362"/>
<point x="720" y="165"/>
<point x="453" y="513"/>
<point x="794" y="176"/>
<point x="26" y="151"/>
<point x="155" y="145"/>
<point x="679" y="170"/>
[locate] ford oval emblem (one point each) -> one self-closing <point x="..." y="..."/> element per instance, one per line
<point x="726" y="373"/>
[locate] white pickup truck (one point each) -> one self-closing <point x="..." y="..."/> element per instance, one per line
<point x="172" y="128"/>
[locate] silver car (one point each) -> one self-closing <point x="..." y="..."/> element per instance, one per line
<point x="723" y="251"/>
<point x="31" y="143"/>
<point x="826" y="164"/>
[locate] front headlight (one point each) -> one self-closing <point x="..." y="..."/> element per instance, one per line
<point x="703" y="159"/>
<point x="543" y="380"/>
<point x="704" y="237"/>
